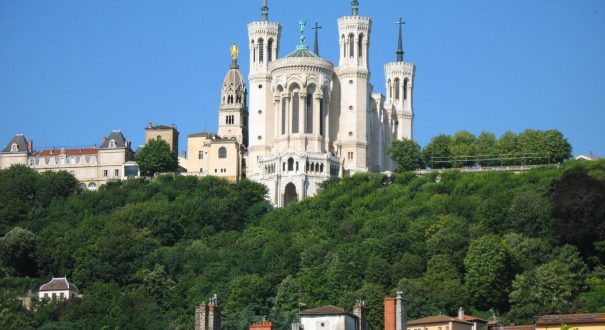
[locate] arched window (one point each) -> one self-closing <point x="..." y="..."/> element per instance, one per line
<point x="312" y="167"/>
<point x="321" y="117"/>
<point x="92" y="186"/>
<point x="14" y="147"/>
<point x="309" y="110"/>
<point x="290" y="164"/>
<point x="390" y="89"/>
<point x="283" y="116"/>
<point x="261" y="50"/>
<point x="405" y="89"/>
<point x="222" y="152"/>
<point x="397" y="91"/>
<point x="296" y="166"/>
<point x="360" y="46"/>
<point x="343" y="42"/>
<point x="112" y="143"/>
<point x="321" y="168"/>
<point x="270" y="50"/>
<point x="253" y="51"/>
<point x="351" y="45"/>
<point x="295" y="111"/>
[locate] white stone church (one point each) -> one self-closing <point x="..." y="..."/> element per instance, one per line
<point x="309" y="120"/>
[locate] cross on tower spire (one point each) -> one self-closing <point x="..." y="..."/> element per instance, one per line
<point x="265" y="11"/>
<point x="316" y="46"/>
<point x="400" y="22"/>
<point x="355" y="5"/>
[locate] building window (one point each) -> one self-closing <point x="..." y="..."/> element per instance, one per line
<point x="283" y="116"/>
<point x="62" y="295"/>
<point x="14" y="147"/>
<point x="360" y="46"/>
<point x="321" y="118"/>
<point x="54" y="296"/>
<point x="116" y="173"/>
<point x="105" y="173"/>
<point x="295" y="112"/>
<point x="397" y="91"/>
<point x="261" y="50"/>
<point x="270" y="50"/>
<point x="92" y="186"/>
<point x="112" y="143"/>
<point x="405" y="89"/>
<point x="290" y="165"/>
<point x="390" y="89"/>
<point x="309" y="113"/>
<point x="200" y="155"/>
<point x="222" y="152"/>
<point x="351" y="45"/>
<point x="350" y="155"/>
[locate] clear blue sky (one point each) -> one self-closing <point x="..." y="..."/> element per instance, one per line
<point x="73" y="70"/>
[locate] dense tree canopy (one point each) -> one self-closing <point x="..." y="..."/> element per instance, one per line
<point x="157" y="157"/>
<point x="145" y="252"/>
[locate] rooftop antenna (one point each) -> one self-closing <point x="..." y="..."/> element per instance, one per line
<point x="316" y="46"/>
<point x="400" y="22"/>
<point x="355" y="5"/>
<point x="265" y="11"/>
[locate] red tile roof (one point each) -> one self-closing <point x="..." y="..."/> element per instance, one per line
<point x="471" y="318"/>
<point x="518" y="327"/>
<point x="325" y="310"/>
<point x="571" y="319"/>
<point x="436" y="319"/>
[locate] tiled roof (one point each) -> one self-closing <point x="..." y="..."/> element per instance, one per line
<point x="160" y="127"/>
<point x="302" y="51"/>
<point x="471" y="318"/>
<point x="436" y="319"/>
<point x="68" y="152"/>
<point x="59" y="283"/>
<point x="118" y="137"/>
<point x="518" y="327"/>
<point x="571" y="319"/>
<point x="21" y="142"/>
<point x="325" y="310"/>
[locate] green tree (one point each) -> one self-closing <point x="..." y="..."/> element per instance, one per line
<point x="487" y="279"/>
<point x="557" y="146"/>
<point x="407" y="155"/>
<point x="462" y="149"/>
<point x="157" y="157"/>
<point x="486" y="149"/>
<point x="508" y="148"/>
<point x="593" y="300"/>
<point x="18" y="250"/>
<point x="436" y="154"/>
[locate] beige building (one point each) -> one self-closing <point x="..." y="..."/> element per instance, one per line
<point x="210" y="154"/>
<point x="167" y="133"/>
<point x="594" y="321"/>
<point x="93" y="167"/>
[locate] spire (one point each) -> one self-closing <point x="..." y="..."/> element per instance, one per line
<point x="400" y="44"/>
<point x="265" y="11"/>
<point x="316" y="46"/>
<point x="355" y="5"/>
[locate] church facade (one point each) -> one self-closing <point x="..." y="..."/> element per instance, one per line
<point x="310" y="120"/>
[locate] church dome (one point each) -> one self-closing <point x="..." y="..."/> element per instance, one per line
<point x="234" y="81"/>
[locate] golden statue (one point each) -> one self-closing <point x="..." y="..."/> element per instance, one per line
<point x="234" y="52"/>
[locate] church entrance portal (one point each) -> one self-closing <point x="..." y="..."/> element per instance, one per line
<point x="290" y="195"/>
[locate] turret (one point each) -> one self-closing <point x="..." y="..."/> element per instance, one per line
<point x="233" y="114"/>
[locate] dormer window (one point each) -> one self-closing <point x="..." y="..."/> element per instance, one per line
<point x="14" y="147"/>
<point x="112" y="143"/>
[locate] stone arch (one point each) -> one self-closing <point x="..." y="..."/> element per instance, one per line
<point x="261" y="50"/>
<point x="290" y="194"/>
<point x="351" y="45"/>
<point x="290" y="164"/>
<point x="406" y="82"/>
<point x="360" y="45"/>
<point x="270" y="50"/>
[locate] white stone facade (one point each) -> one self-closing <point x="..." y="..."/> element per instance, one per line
<point x="310" y="120"/>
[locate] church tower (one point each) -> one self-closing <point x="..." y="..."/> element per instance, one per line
<point x="233" y="114"/>
<point x="353" y="75"/>
<point x="400" y="86"/>
<point x="264" y="39"/>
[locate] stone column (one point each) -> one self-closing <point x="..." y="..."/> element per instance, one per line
<point x="401" y="317"/>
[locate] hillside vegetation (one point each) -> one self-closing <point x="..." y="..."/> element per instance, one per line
<point x="145" y="253"/>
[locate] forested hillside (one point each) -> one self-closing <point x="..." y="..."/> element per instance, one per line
<point x="145" y="253"/>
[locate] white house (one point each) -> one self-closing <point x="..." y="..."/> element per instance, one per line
<point x="58" y="288"/>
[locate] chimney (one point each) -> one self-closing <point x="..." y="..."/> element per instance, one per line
<point x="362" y="315"/>
<point x="590" y="155"/>
<point x="94" y="146"/>
<point x="208" y="316"/>
<point x="401" y="313"/>
<point x="389" y="313"/>
<point x="104" y="139"/>
<point x="264" y="325"/>
<point x="461" y="313"/>
<point x="30" y="145"/>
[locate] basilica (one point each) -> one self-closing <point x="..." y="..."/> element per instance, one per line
<point x="302" y="119"/>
